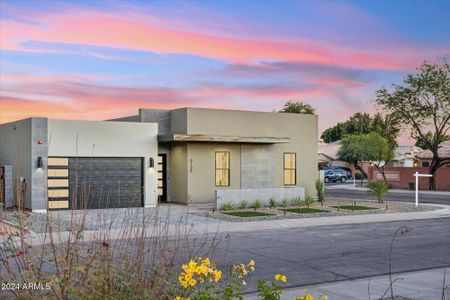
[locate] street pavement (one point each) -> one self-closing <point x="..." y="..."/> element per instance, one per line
<point x="347" y="191"/>
<point x="340" y="252"/>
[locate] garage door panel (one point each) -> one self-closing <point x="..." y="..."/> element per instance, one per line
<point x="108" y="182"/>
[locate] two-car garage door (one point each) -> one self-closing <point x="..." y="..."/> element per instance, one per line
<point x="94" y="182"/>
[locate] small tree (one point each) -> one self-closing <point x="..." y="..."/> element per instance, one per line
<point x="378" y="188"/>
<point x="320" y="189"/>
<point x="353" y="151"/>
<point x="298" y="108"/>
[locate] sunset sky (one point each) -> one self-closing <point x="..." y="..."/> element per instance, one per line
<point x="102" y="59"/>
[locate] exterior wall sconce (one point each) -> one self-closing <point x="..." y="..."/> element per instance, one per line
<point x="40" y="162"/>
<point x="151" y="162"/>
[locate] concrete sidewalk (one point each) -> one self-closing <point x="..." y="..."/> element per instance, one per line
<point x="426" y="285"/>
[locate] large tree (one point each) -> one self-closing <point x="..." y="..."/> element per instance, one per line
<point x="422" y="104"/>
<point x="298" y="108"/>
<point x="428" y="137"/>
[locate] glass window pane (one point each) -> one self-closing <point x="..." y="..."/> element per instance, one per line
<point x="289" y="177"/>
<point x="289" y="161"/>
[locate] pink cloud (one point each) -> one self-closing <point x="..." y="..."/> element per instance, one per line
<point x="83" y="27"/>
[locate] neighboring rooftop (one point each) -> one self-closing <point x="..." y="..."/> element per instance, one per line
<point x="443" y="151"/>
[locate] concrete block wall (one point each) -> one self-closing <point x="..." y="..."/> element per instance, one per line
<point x="235" y="196"/>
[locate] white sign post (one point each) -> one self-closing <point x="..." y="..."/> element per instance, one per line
<point x="417" y="175"/>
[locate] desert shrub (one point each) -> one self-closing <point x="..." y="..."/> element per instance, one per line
<point x="309" y="200"/>
<point x="243" y="204"/>
<point x="411" y="185"/>
<point x="320" y="189"/>
<point x="272" y="203"/>
<point x="297" y="201"/>
<point x="378" y="188"/>
<point x="257" y="204"/>
<point x="228" y="206"/>
<point x="284" y="203"/>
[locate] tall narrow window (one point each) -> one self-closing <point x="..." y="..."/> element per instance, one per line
<point x="222" y="168"/>
<point x="289" y="168"/>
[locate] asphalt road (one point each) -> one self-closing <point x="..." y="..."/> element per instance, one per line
<point x="390" y="196"/>
<point x="331" y="253"/>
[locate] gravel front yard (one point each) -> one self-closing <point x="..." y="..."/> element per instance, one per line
<point x="330" y="207"/>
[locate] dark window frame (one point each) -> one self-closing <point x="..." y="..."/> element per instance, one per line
<point x="216" y="168"/>
<point x="284" y="169"/>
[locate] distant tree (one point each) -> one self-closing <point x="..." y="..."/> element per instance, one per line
<point x="298" y="108"/>
<point x="387" y="126"/>
<point x="422" y="103"/>
<point x="362" y="123"/>
<point x="429" y="137"/>
<point x="371" y="147"/>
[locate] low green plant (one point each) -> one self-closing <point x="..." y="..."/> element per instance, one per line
<point x="284" y="203"/>
<point x="257" y="204"/>
<point x="228" y="206"/>
<point x="320" y="189"/>
<point x="272" y="203"/>
<point x="297" y="201"/>
<point x="378" y="188"/>
<point x="243" y="204"/>
<point x="359" y="176"/>
<point x="309" y="200"/>
<point x="272" y="291"/>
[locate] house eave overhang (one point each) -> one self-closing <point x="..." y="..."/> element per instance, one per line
<point x="221" y="139"/>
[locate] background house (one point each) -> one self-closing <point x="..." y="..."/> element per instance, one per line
<point x="426" y="156"/>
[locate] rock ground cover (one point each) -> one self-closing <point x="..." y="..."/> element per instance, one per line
<point x="329" y="208"/>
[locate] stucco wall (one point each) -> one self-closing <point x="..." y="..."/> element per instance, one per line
<point x="201" y="170"/>
<point x="300" y="128"/>
<point x="108" y="139"/>
<point x="257" y="166"/>
<point x="178" y="169"/>
<point x="15" y="150"/>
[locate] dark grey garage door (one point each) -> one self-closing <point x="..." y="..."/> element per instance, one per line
<point x="98" y="182"/>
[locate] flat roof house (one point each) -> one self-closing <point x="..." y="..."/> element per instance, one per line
<point x="216" y="155"/>
<point x="187" y="155"/>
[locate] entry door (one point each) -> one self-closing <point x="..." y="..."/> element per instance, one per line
<point x="162" y="177"/>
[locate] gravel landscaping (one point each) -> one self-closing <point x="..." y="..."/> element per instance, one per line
<point x="331" y="207"/>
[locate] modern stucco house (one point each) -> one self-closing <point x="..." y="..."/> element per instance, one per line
<point x="186" y="155"/>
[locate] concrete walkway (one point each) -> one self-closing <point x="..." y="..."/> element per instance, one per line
<point x="425" y="285"/>
<point x="197" y="225"/>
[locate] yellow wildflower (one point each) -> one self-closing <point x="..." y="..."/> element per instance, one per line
<point x="206" y="262"/>
<point x="217" y="275"/>
<point x="323" y="297"/>
<point x="280" y="277"/>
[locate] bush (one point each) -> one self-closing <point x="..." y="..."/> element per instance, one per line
<point x="297" y="201"/>
<point x="309" y="200"/>
<point x="411" y="185"/>
<point x="257" y="204"/>
<point x="378" y="188"/>
<point x="272" y="203"/>
<point x="243" y="204"/>
<point x="284" y="203"/>
<point x="320" y="189"/>
<point x="228" y="206"/>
